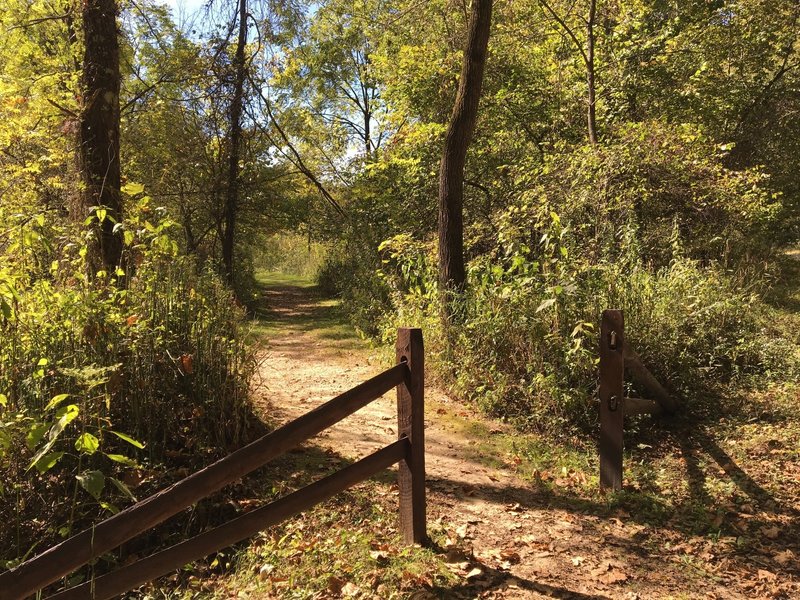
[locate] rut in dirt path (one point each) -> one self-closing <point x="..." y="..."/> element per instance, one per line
<point x="508" y="538"/>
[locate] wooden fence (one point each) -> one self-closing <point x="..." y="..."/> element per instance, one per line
<point x="616" y="356"/>
<point x="409" y="450"/>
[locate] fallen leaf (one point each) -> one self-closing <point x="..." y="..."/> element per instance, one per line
<point x="577" y="561"/>
<point x="784" y="558"/>
<point x="613" y="576"/>
<point x="770" y="532"/>
<point x="510" y="555"/>
<point x="350" y="589"/>
<point x="379" y="556"/>
<point x="609" y="574"/>
<point x="335" y="585"/>
<point x="766" y="575"/>
<point x="474" y="573"/>
<point x="454" y="555"/>
<point x="265" y="571"/>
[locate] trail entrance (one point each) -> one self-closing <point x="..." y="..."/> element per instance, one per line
<point x="507" y="535"/>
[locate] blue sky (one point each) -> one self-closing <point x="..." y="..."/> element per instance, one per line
<point x="188" y="6"/>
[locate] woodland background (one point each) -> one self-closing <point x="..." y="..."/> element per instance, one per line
<point x="642" y="155"/>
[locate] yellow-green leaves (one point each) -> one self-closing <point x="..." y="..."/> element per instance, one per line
<point x="42" y="460"/>
<point x="127" y="438"/>
<point x="132" y="189"/>
<point x="87" y="443"/>
<point x="56" y="400"/>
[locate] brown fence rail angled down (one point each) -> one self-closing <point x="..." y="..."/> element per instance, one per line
<point x="409" y="451"/>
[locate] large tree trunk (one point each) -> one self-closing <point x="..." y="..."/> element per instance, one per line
<point x="99" y="131"/>
<point x="237" y="102"/>
<point x="459" y="134"/>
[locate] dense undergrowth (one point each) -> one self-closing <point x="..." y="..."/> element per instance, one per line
<point x="104" y="379"/>
<point x="651" y="222"/>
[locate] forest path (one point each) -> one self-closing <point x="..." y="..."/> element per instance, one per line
<point x="506" y="537"/>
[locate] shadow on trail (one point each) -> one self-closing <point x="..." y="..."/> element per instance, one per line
<point x="700" y="442"/>
<point x="503" y="581"/>
<point x="299" y="308"/>
<point x="696" y="514"/>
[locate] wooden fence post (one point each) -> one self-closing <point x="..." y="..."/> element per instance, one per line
<point x="612" y="408"/>
<point x="411" y="424"/>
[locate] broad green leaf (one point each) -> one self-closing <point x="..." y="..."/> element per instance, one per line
<point x="87" y="443"/>
<point x="93" y="482"/>
<point x="65" y="416"/>
<point x="35" y="434"/>
<point x="120" y="458"/>
<point x="110" y="507"/>
<point x="46" y="462"/>
<point x="3" y="400"/>
<point x="128" y="439"/>
<point x="123" y="488"/>
<point x="132" y="189"/>
<point x="56" y="400"/>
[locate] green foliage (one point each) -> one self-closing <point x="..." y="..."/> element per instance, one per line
<point x="652" y="185"/>
<point x="652" y="223"/>
<point x="292" y="254"/>
<point x="99" y="378"/>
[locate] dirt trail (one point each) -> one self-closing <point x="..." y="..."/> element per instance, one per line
<point x="510" y="539"/>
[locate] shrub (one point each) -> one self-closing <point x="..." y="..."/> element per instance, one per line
<point x="651" y="223"/>
<point x="98" y="378"/>
<point x="527" y="351"/>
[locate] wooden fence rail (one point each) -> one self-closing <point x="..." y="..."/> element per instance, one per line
<point x="407" y="376"/>
<point x="616" y="356"/>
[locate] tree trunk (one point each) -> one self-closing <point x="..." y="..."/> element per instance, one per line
<point x="459" y="134"/>
<point x="99" y="131"/>
<point x="237" y="102"/>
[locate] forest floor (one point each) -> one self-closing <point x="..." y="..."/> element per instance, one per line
<point x="710" y="511"/>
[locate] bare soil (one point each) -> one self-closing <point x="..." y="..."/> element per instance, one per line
<point x="504" y="536"/>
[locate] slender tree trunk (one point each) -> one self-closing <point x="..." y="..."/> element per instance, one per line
<point x="457" y="139"/>
<point x="591" y="116"/>
<point x="99" y="130"/>
<point x="367" y="132"/>
<point x="237" y="102"/>
<point x="587" y="54"/>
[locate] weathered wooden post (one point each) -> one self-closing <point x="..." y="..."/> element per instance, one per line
<point x="411" y="425"/>
<point x="612" y="407"/>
